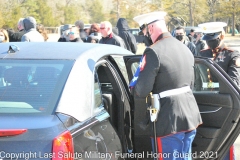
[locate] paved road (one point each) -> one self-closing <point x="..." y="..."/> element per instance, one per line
<point x="234" y="42"/>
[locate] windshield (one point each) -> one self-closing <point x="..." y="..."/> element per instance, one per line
<point x="32" y="86"/>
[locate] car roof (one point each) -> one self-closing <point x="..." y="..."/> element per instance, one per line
<point x="58" y="50"/>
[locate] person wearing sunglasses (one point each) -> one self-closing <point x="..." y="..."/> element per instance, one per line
<point x="73" y="36"/>
<point x="108" y="37"/>
<point x="70" y="35"/>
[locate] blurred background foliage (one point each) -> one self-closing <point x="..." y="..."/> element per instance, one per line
<point x="53" y="13"/>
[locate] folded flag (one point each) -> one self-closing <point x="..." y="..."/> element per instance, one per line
<point x="139" y="69"/>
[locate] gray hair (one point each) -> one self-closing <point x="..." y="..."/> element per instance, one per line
<point x="20" y="22"/>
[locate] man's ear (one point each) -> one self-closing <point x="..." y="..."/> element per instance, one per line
<point x="222" y="36"/>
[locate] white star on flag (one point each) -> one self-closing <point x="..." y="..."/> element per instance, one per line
<point x="134" y="79"/>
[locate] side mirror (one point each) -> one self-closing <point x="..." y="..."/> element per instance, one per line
<point x="13" y="49"/>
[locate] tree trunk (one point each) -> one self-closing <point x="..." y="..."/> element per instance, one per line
<point x="233" y="24"/>
<point x="190" y="13"/>
<point x="118" y="9"/>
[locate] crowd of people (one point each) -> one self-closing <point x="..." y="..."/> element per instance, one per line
<point x="105" y="33"/>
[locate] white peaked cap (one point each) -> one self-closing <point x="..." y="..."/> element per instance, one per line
<point x="149" y="17"/>
<point x="212" y="27"/>
<point x="198" y="30"/>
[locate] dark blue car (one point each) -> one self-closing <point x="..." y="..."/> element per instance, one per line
<point x="65" y="101"/>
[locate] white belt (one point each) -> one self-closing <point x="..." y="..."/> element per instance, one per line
<point x="210" y="85"/>
<point x="174" y="91"/>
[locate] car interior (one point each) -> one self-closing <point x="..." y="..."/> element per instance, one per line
<point x="119" y="110"/>
<point x="21" y="84"/>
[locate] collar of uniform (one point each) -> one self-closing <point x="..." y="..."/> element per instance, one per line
<point x="163" y="35"/>
<point x="109" y="36"/>
<point x="220" y="48"/>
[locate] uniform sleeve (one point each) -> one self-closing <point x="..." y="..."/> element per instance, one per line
<point x="234" y="67"/>
<point x="148" y="71"/>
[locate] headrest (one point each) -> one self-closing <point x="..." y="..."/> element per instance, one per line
<point x="46" y="73"/>
<point x="102" y="75"/>
<point x="16" y="75"/>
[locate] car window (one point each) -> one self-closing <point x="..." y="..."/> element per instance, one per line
<point x="29" y="86"/>
<point x="121" y="64"/>
<point x="134" y="31"/>
<point x="205" y="80"/>
<point x="97" y="93"/>
<point x="134" y="67"/>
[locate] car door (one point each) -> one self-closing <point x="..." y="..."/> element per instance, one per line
<point x="219" y="103"/>
<point x="96" y="137"/>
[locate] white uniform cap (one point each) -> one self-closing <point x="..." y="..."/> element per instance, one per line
<point x="211" y="30"/>
<point x="212" y="27"/>
<point x="149" y="17"/>
<point x="198" y="30"/>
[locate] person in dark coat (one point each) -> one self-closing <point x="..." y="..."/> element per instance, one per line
<point x="16" y="36"/>
<point x="108" y="37"/>
<point x="192" y="36"/>
<point x="226" y="58"/>
<point x="180" y="34"/>
<point x="65" y="30"/>
<point x="70" y="35"/>
<point x="129" y="39"/>
<point x="80" y="25"/>
<point x="200" y="45"/>
<point x="115" y="30"/>
<point x="167" y="70"/>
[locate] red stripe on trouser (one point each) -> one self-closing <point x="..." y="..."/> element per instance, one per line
<point x="159" y="145"/>
<point x="231" y="153"/>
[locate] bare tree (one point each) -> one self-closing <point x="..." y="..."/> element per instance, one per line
<point x="212" y="8"/>
<point x="190" y="5"/>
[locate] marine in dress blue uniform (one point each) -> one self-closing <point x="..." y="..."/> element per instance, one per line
<point x="228" y="59"/>
<point x="167" y="69"/>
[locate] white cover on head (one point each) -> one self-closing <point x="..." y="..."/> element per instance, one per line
<point x="198" y="30"/>
<point x="149" y="17"/>
<point x="212" y="27"/>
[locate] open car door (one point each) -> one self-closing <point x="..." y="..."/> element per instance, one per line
<point x="219" y="103"/>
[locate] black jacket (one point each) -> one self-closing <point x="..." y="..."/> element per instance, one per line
<point x="113" y="39"/>
<point x="191" y="38"/>
<point x="129" y="39"/>
<point x="15" y="36"/>
<point x="191" y="46"/>
<point x="199" y="46"/>
<point x="168" y="64"/>
<point x="75" y="40"/>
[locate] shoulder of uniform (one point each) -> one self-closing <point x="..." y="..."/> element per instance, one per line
<point x="154" y="44"/>
<point x="230" y="49"/>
